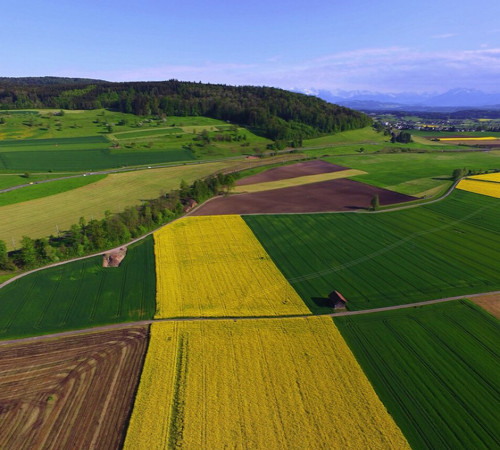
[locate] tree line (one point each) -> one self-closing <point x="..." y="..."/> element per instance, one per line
<point x="274" y="113"/>
<point x="87" y="237"/>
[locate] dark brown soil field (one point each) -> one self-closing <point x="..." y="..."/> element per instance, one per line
<point x="333" y="195"/>
<point x="70" y="392"/>
<point x="292" y="171"/>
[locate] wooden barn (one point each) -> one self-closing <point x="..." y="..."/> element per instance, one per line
<point x="337" y="300"/>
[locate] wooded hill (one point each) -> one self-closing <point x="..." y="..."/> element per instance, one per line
<point x="273" y="113"/>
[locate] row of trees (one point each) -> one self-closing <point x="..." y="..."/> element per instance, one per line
<point x="92" y="236"/>
<point x="465" y="172"/>
<point x="404" y="137"/>
<point x="273" y="113"/>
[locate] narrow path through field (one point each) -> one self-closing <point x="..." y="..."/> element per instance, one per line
<point x="234" y="318"/>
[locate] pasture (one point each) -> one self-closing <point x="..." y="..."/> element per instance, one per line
<point x="292" y="383"/>
<point x="436" y="368"/>
<point x="214" y="266"/>
<point x="80" y="294"/>
<point x="389" y="258"/>
<point x="71" y="392"/>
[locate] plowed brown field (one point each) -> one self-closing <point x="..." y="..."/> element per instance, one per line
<point x="326" y="196"/>
<point x="71" y="392"/>
<point x="292" y="171"/>
<point x="490" y="303"/>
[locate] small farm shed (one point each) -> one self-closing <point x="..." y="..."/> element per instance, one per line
<point x="337" y="300"/>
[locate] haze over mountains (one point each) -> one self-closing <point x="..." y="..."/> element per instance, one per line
<point x="449" y="100"/>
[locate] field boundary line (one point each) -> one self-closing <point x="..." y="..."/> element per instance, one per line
<point x="140" y="323"/>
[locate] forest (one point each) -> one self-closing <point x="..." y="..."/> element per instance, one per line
<point x="274" y="113"/>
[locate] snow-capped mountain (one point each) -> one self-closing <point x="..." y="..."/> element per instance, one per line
<point x="454" y="98"/>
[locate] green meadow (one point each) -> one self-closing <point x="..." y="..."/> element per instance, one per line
<point x="436" y="368"/>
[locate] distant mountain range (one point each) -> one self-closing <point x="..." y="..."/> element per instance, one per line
<point x="451" y="100"/>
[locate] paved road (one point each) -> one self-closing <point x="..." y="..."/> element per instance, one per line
<point x="234" y="319"/>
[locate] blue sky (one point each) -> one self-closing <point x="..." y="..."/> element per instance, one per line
<point x="389" y="46"/>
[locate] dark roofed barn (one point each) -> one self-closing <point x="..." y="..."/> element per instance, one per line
<point x="337" y="300"/>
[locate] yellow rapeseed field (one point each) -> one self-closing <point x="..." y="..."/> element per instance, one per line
<point x="486" y="138"/>
<point x="487" y="177"/>
<point x="290" y="383"/>
<point x="489" y="188"/>
<point x="215" y="266"/>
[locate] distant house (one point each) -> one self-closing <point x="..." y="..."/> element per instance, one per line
<point x="337" y="300"/>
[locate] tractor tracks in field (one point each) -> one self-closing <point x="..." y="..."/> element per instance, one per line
<point x="142" y="323"/>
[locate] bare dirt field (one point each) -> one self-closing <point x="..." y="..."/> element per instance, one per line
<point x="326" y="196"/>
<point x="71" y="392"/>
<point x="490" y="303"/>
<point x="292" y="171"/>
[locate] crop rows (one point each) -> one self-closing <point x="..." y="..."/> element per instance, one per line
<point x="214" y="266"/>
<point x="436" y="370"/>
<point x="292" y="383"/>
<point x="71" y="392"/>
<point x="80" y="294"/>
<point x="384" y="259"/>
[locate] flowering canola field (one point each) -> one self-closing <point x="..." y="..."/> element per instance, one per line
<point x="487" y="177"/>
<point x="215" y="266"/>
<point x="482" y="184"/>
<point x="292" y="383"/>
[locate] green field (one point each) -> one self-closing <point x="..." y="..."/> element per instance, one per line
<point x="88" y="160"/>
<point x="436" y="369"/>
<point x="45" y="189"/>
<point x="80" y="294"/>
<point x="69" y="143"/>
<point x="416" y="174"/>
<point x="389" y="258"/>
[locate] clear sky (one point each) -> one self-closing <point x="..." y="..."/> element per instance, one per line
<point x="386" y="46"/>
